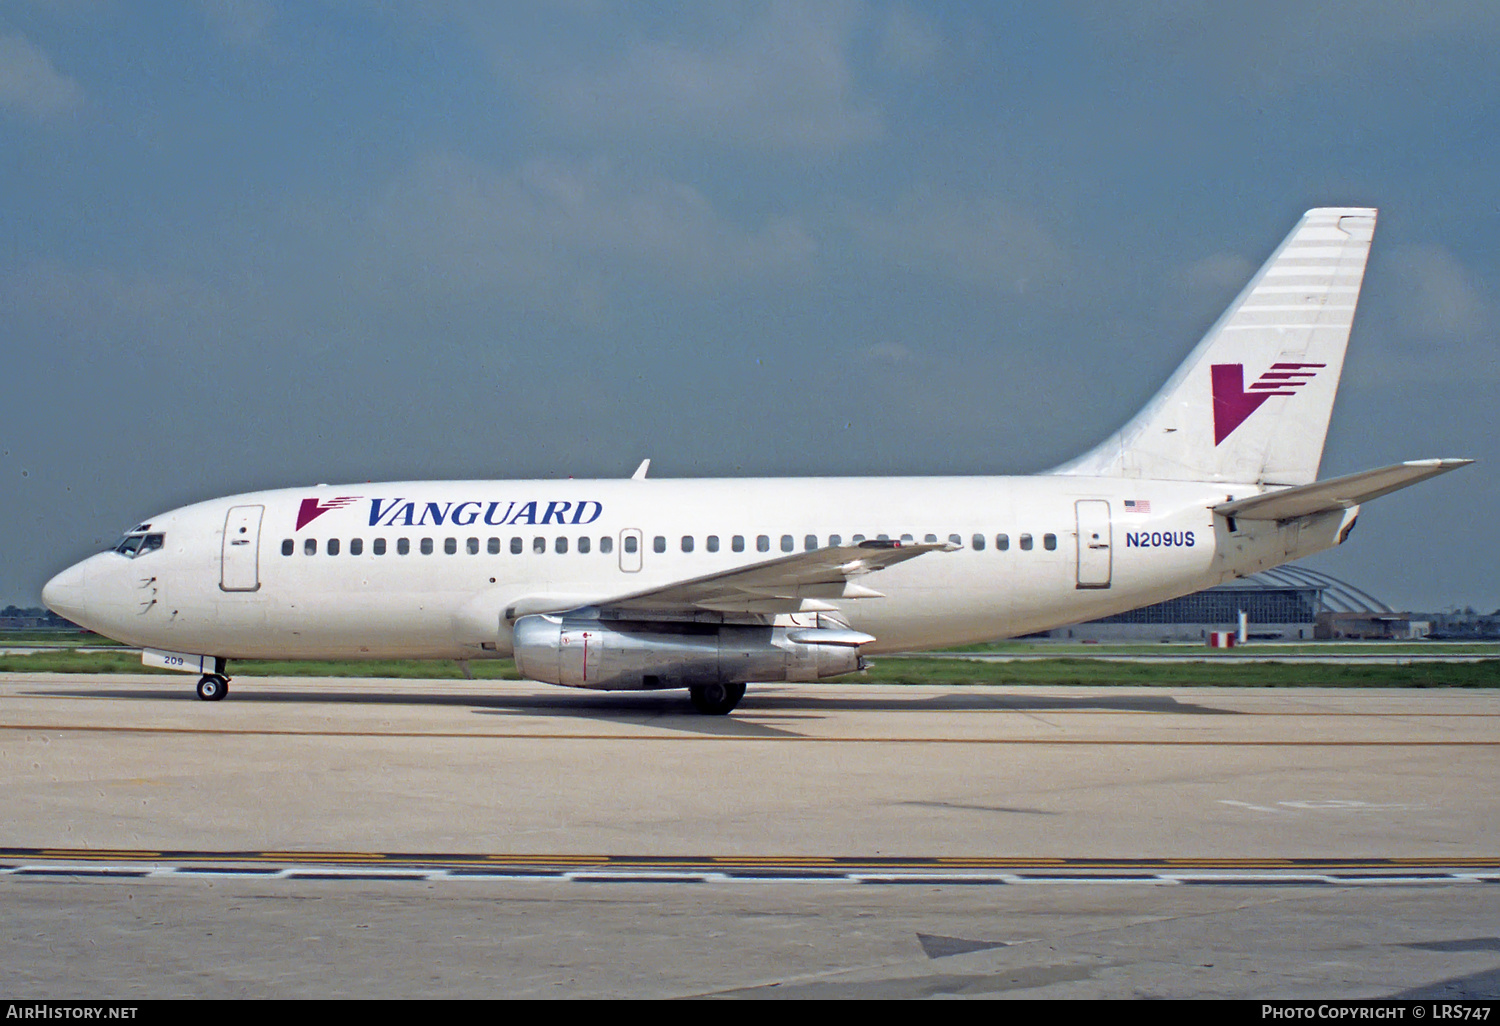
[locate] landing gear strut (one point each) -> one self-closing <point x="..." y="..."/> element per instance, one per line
<point x="716" y="699"/>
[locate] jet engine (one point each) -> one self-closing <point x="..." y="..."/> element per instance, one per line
<point x="624" y="655"/>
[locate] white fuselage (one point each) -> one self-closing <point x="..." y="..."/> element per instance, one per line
<point x="221" y="585"/>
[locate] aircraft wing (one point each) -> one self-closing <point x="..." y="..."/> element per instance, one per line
<point x="1337" y="492"/>
<point x="800" y="582"/>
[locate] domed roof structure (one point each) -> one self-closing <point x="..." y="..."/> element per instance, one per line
<point x="1286" y="601"/>
<point x="1338" y="596"/>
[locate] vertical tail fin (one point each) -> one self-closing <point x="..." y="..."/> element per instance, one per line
<point x="1251" y="402"/>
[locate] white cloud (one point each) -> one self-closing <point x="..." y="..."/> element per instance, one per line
<point x="782" y="83"/>
<point x="1217" y="272"/>
<point x="965" y="238"/>
<point x="1426" y="318"/>
<point x="1439" y="297"/>
<point x="893" y="353"/>
<point x="240" y="23"/>
<point x="104" y="309"/>
<point x="1276" y="45"/>
<point x="30" y="85"/>
<point x="909" y="41"/>
<point x="562" y="233"/>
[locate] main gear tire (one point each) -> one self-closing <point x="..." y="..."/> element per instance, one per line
<point x="716" y="699"/>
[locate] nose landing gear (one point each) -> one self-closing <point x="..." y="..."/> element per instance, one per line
<point x="214" y="686"/>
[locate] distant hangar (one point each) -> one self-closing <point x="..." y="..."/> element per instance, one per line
<point x="1287" y="603"/>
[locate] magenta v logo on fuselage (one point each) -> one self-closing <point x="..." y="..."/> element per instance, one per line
<point x="312" y="509"/>
<point x="1233" y="402"/>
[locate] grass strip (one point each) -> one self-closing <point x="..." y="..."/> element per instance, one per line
<point x="905" y="670"/>
<point x="1099" y="673"/>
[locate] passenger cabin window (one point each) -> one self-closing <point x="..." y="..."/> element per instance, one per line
<point x="493" y="548"/>
<point x="1002" y="542"/>
<point x="288" y="547"/>
<point x="787" y="543"/>
<point x="356" y="546"/>
<point x="606" y="545"/>
<point x="711" y="543"/>
<point x="515" y="546"/>
<point x="763" y="543"/>
<point x="561" y="546"/>
<point x="333" y="546"/>
<point x="978" y="543"/>
<point x="1026" y="543"/>
<point x="378" y="546"/>
<point x="1049" y="542"/>
<point x="539" y="546"/>
<point x="310" y="547"/>
<point x="403" y="546"/>
<point x="930" y="539"/>
<point x="810" y="542"/>
<point x="584" y="543"/>
<point x="857" y="539"/>
<point x="737" y="543"/>
<point x="473" y="546"/>
<point x="687" y="543"/>
<point x="426" y="546"/>
<point x="834" y="539"/>
<point x="659" y="543"/>
<point x="956" y="539"/>
<point x="631" y="543"/>
<point x="907" y="539"/>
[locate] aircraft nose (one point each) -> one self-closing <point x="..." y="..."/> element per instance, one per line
<point x="65" y="593"/>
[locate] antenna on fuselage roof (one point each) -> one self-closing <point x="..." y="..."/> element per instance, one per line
<point x="640" y="472"/>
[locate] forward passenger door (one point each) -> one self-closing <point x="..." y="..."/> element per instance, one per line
<point x="239" y="567"/>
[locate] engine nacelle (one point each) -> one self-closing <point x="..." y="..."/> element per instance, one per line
<point x="626" y="655"/>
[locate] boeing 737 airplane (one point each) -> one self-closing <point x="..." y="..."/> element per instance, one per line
<point x="707" y="585"/>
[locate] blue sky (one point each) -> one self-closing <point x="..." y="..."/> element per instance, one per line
<point x="259" y="244"/>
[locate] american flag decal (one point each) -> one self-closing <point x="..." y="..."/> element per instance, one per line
<point x="1137" y="505"/>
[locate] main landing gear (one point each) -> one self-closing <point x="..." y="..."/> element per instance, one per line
<point x="716" y="699"/>
<point x="214" y="686"/>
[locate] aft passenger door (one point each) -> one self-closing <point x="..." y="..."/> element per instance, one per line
<point x="1095" y="553"/>
<point x="240" y="561"/>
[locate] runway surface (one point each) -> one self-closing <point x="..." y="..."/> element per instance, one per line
<point x="822" y="841"/>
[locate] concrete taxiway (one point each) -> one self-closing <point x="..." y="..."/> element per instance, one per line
<point x="312" y="836"/>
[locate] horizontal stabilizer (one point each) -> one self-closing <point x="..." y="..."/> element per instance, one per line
<point x="1336" y="493"/>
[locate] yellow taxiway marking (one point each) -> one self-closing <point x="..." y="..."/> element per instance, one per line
<point x="712" y="862"/>
<point x="689" y="738"/>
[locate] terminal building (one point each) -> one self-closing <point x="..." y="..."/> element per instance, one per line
<point x="1287" y="603"/>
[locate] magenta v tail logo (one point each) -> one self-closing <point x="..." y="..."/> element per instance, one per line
<point x="312" y="509"/>
<point x="1233" y="402"/>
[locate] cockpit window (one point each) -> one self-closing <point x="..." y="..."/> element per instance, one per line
<point x="135" y="544"/>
